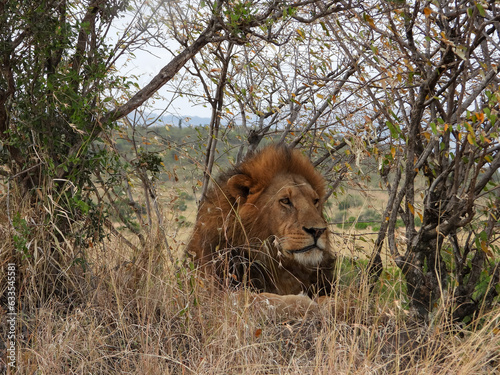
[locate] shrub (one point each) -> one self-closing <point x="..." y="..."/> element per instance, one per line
<point x="349" y="202"/>
<point x="361" y="225"/>
<point x="370" y="215"/>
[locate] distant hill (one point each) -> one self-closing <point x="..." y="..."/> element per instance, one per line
<point x="184" y="120"/>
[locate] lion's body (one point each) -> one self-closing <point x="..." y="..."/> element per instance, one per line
<point x="262" y="225"/>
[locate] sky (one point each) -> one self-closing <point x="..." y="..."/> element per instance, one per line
<point x="145" y="66"/>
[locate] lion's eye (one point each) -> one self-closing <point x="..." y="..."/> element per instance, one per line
<point x="286" y="201"/>
<point x="316" y="201"/>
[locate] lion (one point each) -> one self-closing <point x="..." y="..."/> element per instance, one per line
<point x="262" y="226"/>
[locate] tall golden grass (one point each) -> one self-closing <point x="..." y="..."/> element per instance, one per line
<point x="136" y="313"/>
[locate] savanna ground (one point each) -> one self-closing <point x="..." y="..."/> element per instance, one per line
<point x="135" y="312"/>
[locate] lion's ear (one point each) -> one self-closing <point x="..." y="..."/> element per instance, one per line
<point x="239" y="186"/>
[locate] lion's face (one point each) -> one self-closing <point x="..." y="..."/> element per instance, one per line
<point x="288" y="213"/>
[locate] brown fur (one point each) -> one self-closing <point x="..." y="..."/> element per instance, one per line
<point x="262" y="225"/>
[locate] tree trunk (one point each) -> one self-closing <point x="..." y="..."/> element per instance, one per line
<point x="425" y="272"/>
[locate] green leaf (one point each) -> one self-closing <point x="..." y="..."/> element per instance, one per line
<point x="434" y="128"/>
<point x="394" y="129"/>
<point x="482" y="241"/>
<point x="481" y="10"/>
<point x="325" y="29"/>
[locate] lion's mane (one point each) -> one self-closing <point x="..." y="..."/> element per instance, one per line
<point x="233" y="239"/>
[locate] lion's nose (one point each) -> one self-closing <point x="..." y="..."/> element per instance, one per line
<point x="315" y="232"/>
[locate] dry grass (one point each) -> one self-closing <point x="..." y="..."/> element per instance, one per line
<point x="150" y="317"/>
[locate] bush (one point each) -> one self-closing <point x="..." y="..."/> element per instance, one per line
<point x="361" y="225"/>
<point x="349" y="202"/>
<point x="180" y="205"/>
<point x="370" y="215"/>
<point x="185" y="195"/>
<point x="418" y="222"/>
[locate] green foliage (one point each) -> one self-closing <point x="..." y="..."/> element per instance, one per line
<point x="392" y="287"/>
<point x="125" y="212"/>
<point x="180" y="205"/>
<point x="349" y="270"/>
<point x="185" y="196"/>
<point x="361" y="225"/>
<point x="418" y="222"/>
<point x="239" y="16"/>
<point x="58" y="75"/>
<point x="180" y="202"/>
<point x="182" y="222"/>
<point x="55" y="78"/>
<point x="350" y="202"/>
<point x="22" y="235"/>
<point x="186" y="282"/>
<point x="370" y="215"/>
<point x="150" y="161"/>
<point x="367" y="218"/>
